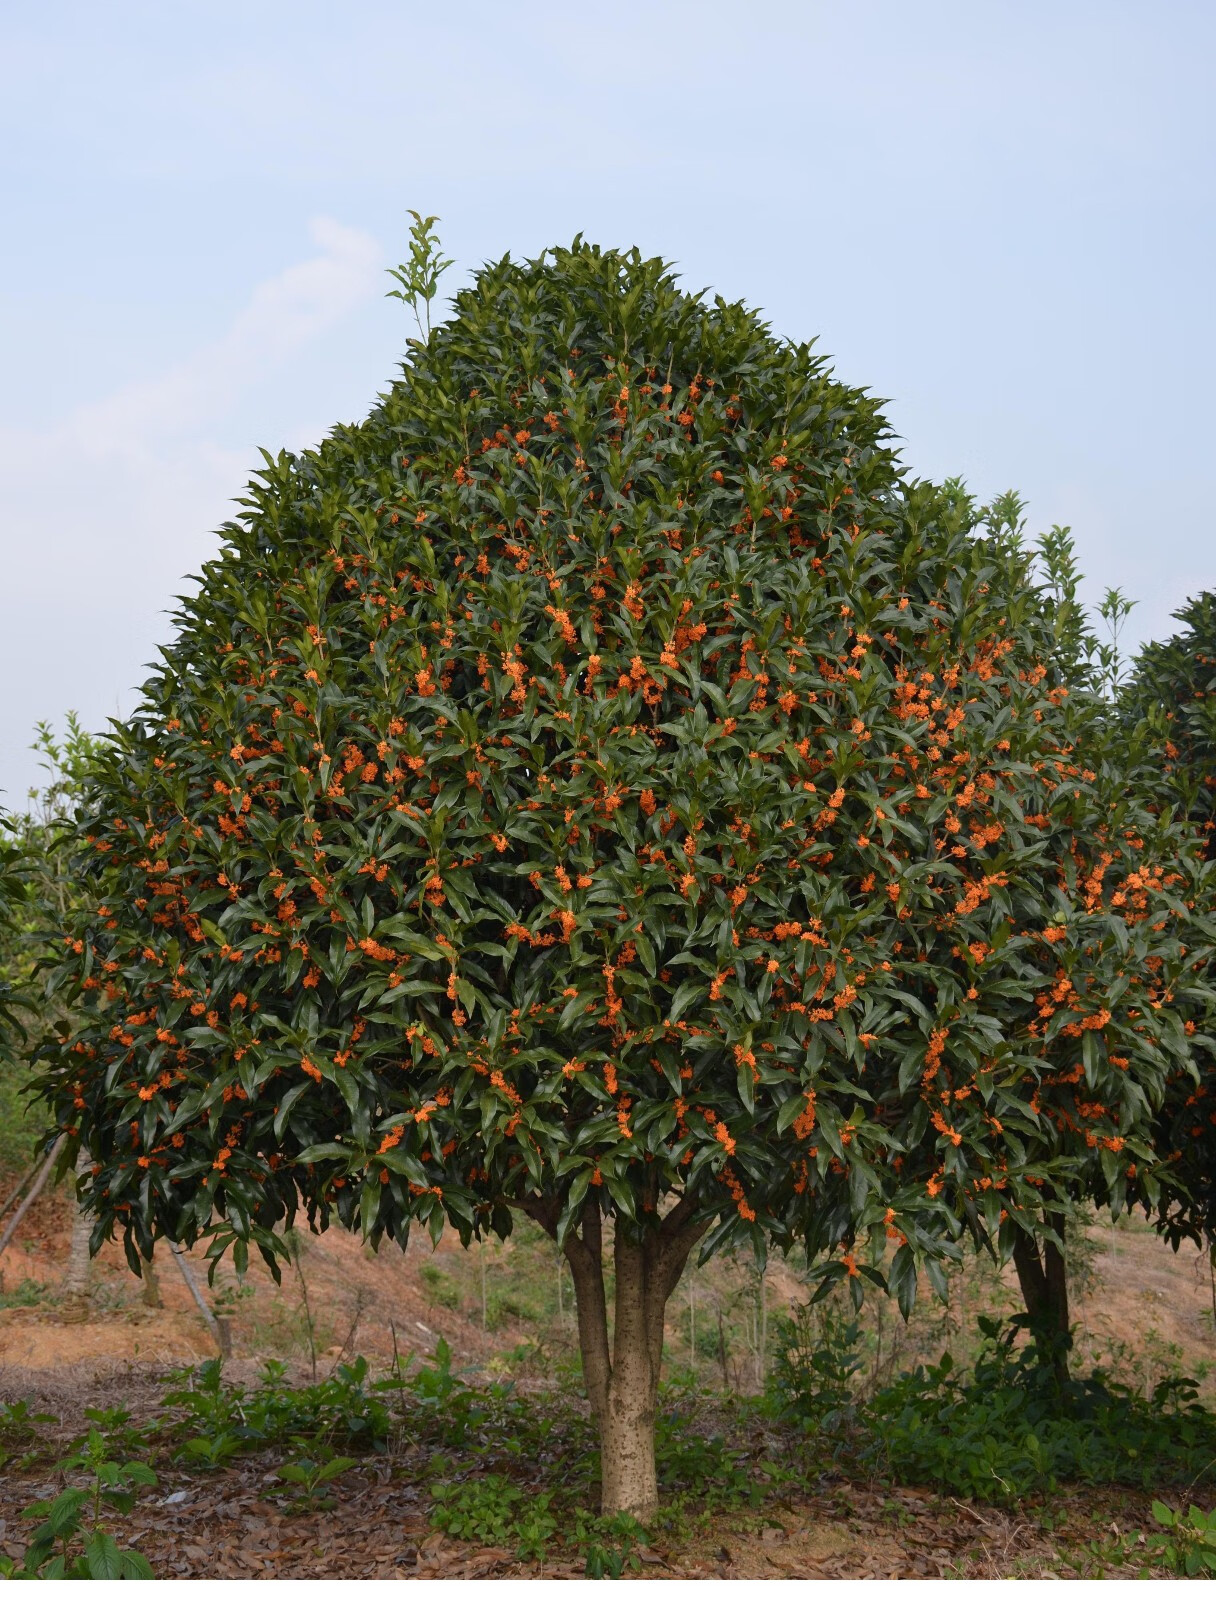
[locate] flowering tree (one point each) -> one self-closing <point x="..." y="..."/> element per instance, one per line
<point x="590" y="788"/>
<point x="1171" y="710"/>
<point x="1112" y="986"/>
<point x="12" y="894"/>
<point x="31" y="925"/>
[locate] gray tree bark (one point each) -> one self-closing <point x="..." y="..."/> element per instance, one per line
<point x="76" y="1278"/>
<point x="622" y="1373"/>
<point x="151" y="1290"/>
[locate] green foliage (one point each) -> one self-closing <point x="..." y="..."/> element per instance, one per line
<point x="419" y="277"/>
<point x="20" y="1434"/>
<point x="1174" y="690"/>
<point x="609" y="1546"/>
<point x="1189" y="1546"/>
<point x="815" y="1364"/>
<point x="439" y="1398"/>
<point x="13" y="892"/>
<point x="27" y="1292"/>
<point x="493" y="1510"/>
<point x="38" y="897"/>
<point x="37" y="891"/>
<point x="427" y="1401"/>
<point x="1007" y="1429"/>
<point x="1118" y="855"/>
<point x="223" y="1420"/>
<point x="18" y="1422"/>
<point x="439" y="1287"/>
<point x="69" y="1541"/>
<point x="706" y="1468"/>
<point x="119" y="1434"/>
<point x="601" y="773"/>
<point x="307" y="1479"/>
<point x="1170" y="708"/>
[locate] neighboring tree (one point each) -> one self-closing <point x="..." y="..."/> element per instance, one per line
<point x="1174" y="689"/>
<point x="1108" y="952"/>
<point x="590" y="788"/>
<point x="13" y="889"/>
<point x="31" y="942"/>
<point x="1170" y="707"/>
<point x="34" y="841"/>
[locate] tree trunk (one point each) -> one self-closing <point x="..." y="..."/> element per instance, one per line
<point x="1055" y="1274"/>
<point x="622" y="1374"/>
<point x="1044" y="1286"/>
<point x="151" y="1290"/>
<point x="76" y="1278"/>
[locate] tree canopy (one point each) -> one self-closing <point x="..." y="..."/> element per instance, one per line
<point x="1170" y="708"/>
<point x="12" y="895"/>
<point x="602" y="784"/>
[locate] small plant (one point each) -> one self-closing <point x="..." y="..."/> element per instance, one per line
<point x="115" y="1426"/>
<point x="502" y="1304"/>
<point x="308" y="1479"/>
<point x="1009" y="1428"/>
<point x="70" y="1542"/>
<point x="230" y="1297"/>
<point x="18" y="1423"/>
<point x="223" y="1420"/>
<point x="1189" y="1543"/>
<point x="493" y="1510"/>
<point x="340" y="1406"/>
<point x="214" y="1421"/>
<point x="19" y="1433"/>
<point x="419" y="277"/>
<point x="707" y="1468"/>
<point x="608" y="1545"/>
<point x="440" y="1398"/>
<point x="816" y="1363"/>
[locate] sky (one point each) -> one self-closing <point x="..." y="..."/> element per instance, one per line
<point x="995" y="214"/>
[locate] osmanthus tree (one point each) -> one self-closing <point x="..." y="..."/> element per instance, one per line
<point x="1112" y="953"/>
<point x="13" y="891"/>
<point x="590" y="788"/>
<point x="1170" y="711"/>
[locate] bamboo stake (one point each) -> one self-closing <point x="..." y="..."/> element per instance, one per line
<point x="36" y="1189"/>
<point x="15" y="1194"/>
<point x="209" y="1317"/>
<point x="482" y="1255"/>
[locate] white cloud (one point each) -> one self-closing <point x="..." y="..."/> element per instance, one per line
<point x="103" y="513"/>
<point x="283" y="314"/>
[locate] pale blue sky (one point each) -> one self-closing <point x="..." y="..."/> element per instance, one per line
<point x="998" y="215"/>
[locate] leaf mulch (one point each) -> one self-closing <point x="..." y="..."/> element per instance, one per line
<point x="236" y="1523"/>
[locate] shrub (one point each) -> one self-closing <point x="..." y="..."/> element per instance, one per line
<point x="1006" y="1429"/>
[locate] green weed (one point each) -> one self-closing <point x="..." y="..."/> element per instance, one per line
<point x="69" y="1541"/>
<point x="494" y="1511"/>
<point x="1189" y="1543"/>
<point x="609" y="1545"/>
<point x="307" y="1479"/>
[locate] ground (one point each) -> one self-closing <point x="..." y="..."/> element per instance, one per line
<point x="506" y="1311"/>
<point x="221" y="1524"/>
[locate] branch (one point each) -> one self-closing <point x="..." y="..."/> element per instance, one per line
<point x="673" y="1256"/>
<point x="677" y="1218"/>
<point x="542" y="1211"/>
